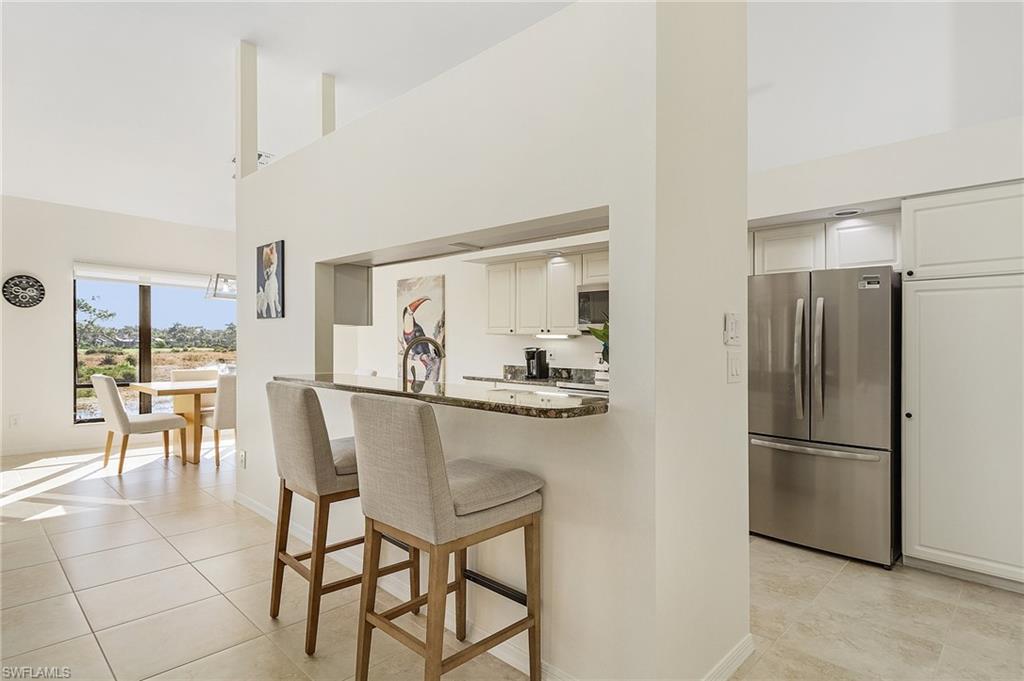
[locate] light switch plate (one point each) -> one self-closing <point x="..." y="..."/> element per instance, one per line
<point x="734" y="366"/>
<point x="242" y="457"/>
<point x="731" y="329"/>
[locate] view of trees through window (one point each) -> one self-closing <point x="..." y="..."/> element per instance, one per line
<point x="187" y="331"/>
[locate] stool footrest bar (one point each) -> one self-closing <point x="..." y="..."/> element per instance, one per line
<point x="409" y="606"/>
<point x="290" y="561"/>
<point x="330" y="548"/>
<point x="394" y="542"/>
<point x="398" y="633"/>
<point x="482" y="646"/>
<point x="495" y="586"/>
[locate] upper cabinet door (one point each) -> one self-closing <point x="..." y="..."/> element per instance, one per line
<point x="501" y="298"/>
<point x="595" y="268"/>
<point x="531" y="296"/>
<point x="863" y="241"/>
<point x="563" y="305"/>
<point x="963" y="233"/>
<point x="789" y="249"/>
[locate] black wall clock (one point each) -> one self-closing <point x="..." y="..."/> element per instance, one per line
<point x="21" y="290"/>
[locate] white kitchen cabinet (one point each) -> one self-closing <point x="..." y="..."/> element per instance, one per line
<point x="595" y="268"/>
<point x="963" y="398"/>
<point x="531" y="296"/>
<point x="863" y="241"/>
<point x="789" y="249"/>
<point x="563" y="308"/>
<point x="501" y="298"/>
<point x="964" y="233"/>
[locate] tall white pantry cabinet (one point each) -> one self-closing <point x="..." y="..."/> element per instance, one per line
<point x="963" y="379"/>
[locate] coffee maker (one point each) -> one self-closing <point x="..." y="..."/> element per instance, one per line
<point x="536" y="363"/>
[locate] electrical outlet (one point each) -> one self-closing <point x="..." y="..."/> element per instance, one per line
<point x="14" y="420"/>
<point x="242" y="457"/>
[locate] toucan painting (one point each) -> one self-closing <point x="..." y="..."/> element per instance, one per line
<point x="420" y="314"/>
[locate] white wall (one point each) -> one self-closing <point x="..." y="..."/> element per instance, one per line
<point x="558" y="118"/>
<point x="831" y="78"/>
<point x="701" y="420"/>
<point x="469" y="349"/>
<point x="981" y="154"/>
<point x="44" y="239"/>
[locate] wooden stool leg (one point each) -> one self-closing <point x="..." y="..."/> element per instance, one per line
<point x="167" y="444"/>
<point x="284" y="515"/>
<point x="124" y="451"/>
<point x="367" y="600"/>
<point x="460" y="594"/>
<point x="532" y="536"/>
<point x="216" y="447"/>
<point x="106" y="451"/>
<point x="184" y="438"/>
<point x="437" y="595"/>
<point x="316" y="573"/>
<point x="414" y="576"/>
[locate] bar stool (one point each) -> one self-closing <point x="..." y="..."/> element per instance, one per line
<point x="323" y="471"/>
<point x="409" y="492"/>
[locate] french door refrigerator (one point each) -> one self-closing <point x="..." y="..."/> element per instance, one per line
<point x="824" y="384"/>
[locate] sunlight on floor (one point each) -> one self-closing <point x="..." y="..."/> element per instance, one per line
<point x="38" y="487"/>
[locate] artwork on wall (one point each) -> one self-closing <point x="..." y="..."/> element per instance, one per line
<point x="421" y="313"/>
<point x="270" y="280"/>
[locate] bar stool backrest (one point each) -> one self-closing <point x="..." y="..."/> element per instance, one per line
<point x="301" y="445"/>
<point x="402" y="477"/>
<point x="111" y="405"/>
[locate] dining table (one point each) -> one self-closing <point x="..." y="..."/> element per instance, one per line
<point x="188" y="396"/>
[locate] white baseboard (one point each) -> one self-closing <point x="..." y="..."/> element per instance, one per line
<point x="728" y="665"/>
<point x="398" y="586"/>
<point x="966" y="575"/>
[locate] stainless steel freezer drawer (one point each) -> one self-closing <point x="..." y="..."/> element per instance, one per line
<point x="837" y="499"/>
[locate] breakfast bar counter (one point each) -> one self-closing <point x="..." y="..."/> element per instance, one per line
<point x="531" y="403"/>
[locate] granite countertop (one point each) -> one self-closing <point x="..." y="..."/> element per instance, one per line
<point x="512" y="373"/>
<point x="538" y="404"/>
<point x="548" y="382"/>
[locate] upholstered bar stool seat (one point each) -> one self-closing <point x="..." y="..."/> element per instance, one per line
<point x="323" y="471"/>
<point x="410" y="492"/>
<point x="343" y="451"/>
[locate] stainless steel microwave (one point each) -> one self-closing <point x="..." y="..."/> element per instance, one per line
<point x="593" y="305"/>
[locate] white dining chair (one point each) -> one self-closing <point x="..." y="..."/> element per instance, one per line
<point x="118" y="420"/>
<point x="197" y="375"/>
<point x="222" y="416"/>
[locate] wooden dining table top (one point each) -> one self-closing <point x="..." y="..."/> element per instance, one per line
<point x="164" y="388"/>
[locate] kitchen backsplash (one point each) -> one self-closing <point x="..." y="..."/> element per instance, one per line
<point x="515" y="372"/>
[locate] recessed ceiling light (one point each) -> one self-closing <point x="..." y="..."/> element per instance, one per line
<point x="553" y="253"/>
<point x="847" y="212"/>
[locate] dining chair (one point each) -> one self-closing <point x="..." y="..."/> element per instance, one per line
<point x="197" y="375"/>
<point x="222" y="416"/>
<point x="120" y="421"/>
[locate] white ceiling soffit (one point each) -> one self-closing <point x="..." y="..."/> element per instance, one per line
<point x="129" y="107"/>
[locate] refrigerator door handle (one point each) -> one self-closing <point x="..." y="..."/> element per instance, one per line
<point x="814" y="451"/>
<point x="798" y="358"/>
<point x="818" y="389"/>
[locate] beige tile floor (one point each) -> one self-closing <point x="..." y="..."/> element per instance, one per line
<point x="816" y="616"/>
<point x="159" y="574"/>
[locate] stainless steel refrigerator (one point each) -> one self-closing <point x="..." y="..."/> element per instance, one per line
<point x="824" y="386"/>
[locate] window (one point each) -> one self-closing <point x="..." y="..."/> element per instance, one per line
<point x="106" y="342"/>
<point x="134" y="331"/>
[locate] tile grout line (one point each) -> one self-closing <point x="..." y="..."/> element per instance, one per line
<point x="92" y="632"/>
